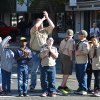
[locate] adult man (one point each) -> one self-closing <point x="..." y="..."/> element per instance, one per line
<point x="81" y="57"/>
<point x="39" y="35"/>
<point x="94" y="31"/>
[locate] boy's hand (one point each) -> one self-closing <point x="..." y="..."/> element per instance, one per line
<point x="9" y="37"/>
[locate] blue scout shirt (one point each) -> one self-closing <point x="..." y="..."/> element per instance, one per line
<point x="23" y="59"/>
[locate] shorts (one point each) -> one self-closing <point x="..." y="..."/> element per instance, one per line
<point x="67" y="65"/>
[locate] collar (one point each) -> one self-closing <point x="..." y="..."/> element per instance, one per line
<point x="83" y="40"/>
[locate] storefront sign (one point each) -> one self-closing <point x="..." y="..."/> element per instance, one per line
<point x="72" y="2"/>
<point x="21" y="7"/>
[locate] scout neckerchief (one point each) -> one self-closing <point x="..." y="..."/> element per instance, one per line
<point x="77" y="45"/>
<point x="95" y="52"/>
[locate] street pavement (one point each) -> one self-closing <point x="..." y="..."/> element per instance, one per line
<point x="72" y="84"/>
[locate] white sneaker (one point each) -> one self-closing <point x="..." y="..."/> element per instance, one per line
<point x="83" y="92"/>
<point x="97" y="94"/>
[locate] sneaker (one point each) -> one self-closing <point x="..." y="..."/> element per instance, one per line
<point x="20" y="95"/>
<point x="4" y="94"/>
<point x="90" y="91"/>
<point x="53" y="95"/>
<point x="60" y="87"/>
<point x="63" y="91"/>
<point x="25" y="95"/>
<point x="97" y="93"/>
<point x="44" y="94"/>
<point x="68" y="89"/>
<point x="82" y="92"/>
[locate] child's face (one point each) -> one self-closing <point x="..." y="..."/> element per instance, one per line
<point x="50" y="42"/>
<point x="94" y="41"/>
<point x="81" y="36"/>
<point x="23" y="43"/>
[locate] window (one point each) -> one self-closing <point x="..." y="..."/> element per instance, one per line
<point x="60" y="22"/>
<point x="96" y="17"/>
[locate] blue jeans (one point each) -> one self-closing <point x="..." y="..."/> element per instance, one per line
<point x="81" y="76"/>
<point x="6" y="81"/>
<point x="34" y="68"/>
<point x="48" y="79"/>
<point x="22" y="78"/>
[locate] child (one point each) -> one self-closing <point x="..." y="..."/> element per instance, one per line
<point x="66" y="51"/>
<point x="48" y="56"/>
<point x="6" y="65"/>
<point x="95" y="55"/>
<point x="23" y="56"/>
<point x="89" y="71"/>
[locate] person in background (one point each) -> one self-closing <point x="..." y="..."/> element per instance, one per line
<point x="23" y="56"/>
<point x="95" y="55"/>
<point x="7" y="58"/>
<point x="22" y="26"/>
<point x="39" y="35"/>
<point x="48" y="54"/>
<point x="66" y="51"/>
<point x="81" y="60"/>
<point x="95" y="31"/>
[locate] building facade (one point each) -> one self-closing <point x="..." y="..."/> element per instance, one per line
<point x="83" y="14"/>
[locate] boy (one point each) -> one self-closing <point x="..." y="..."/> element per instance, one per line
<point x="7" y="57"/>
<point x="23" y="56"/>
<point x="66" y="50"/>
<point x="48" y="56"/>
<point x="81" y="57"/>
<point x="95" y="55"/>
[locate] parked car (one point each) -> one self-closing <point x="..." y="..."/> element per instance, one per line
<point x="8" y="30"/>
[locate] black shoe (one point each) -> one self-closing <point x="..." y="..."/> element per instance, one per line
<point x="25" y="95"/>
<point x="90" y="91"/>
<point x="1" y="93"/>
<point x="4" y="94"/>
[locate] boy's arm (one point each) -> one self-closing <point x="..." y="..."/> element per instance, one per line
<point x="5" y="41"/>
<point x="54" y="54"/>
